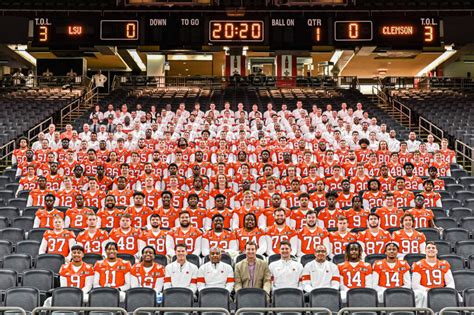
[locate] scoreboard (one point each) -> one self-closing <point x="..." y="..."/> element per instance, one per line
<point x="295" y="31"/>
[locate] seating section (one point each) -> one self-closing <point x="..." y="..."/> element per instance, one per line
<point x="442" y="107"/>
<point x="23" y="109"/>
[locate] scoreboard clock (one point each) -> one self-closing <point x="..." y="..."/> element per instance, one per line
<point x="240" y="31"/>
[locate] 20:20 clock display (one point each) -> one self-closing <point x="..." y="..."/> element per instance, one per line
<point x="236" y="31"/>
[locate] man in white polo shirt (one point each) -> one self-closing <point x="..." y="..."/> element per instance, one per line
<point x="320" y="273"/>
<point x="286" y="273"/>
<point x="215" y="273"/>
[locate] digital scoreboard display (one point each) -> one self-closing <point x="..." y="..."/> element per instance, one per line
<point x="236" y="31"/>
<point x="278" y="31"/>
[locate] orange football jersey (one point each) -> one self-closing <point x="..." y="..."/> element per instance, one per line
<point x="244" y="236"/>
<point x="423" y="217"/>
<point x="47" y="217"/>
<point x="127" y="242"/>
<point x="156" y="240"/>
<point x="147" y="279"/>
<point x="58" y="243"/>
<point x="276" y="236"/>
<point x="77" y="278"/>
<point x="432" y="276"/>
<point x="374" y="244"/>
<point x="78" y="217"/>
<point x="391" y="277"/>
<point x="389" y="218"/>
<point x="112" y="275"/>
<point x="409" y="244"/>
<point x="309" y="239"/>
<point x="339" y="242"/>
<point x="92" y="243"/>
<point x="110" y="219"/>
<point x="355" y="276"/>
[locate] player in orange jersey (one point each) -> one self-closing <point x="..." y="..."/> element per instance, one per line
<point x="449" y="156"/>
<point x="58" y="240"/>
<point x="390" y="216"/>
<point x="360" y="179"/>
<point x="250" y="232"/>
<point x="357" y="216"/>
<point x="420" y="168"/>
<point x="335" y="181"/>
<point x="374" y="239"/>
<point x="266" y="193"/>
<point x="184" y="233"/>
<point x="318" y="197"/>
<point x="439" y="162"/>
<point x="109" y="216"/>
<point x="45" y="217"/>
<point x="155" y="236"/>
<point x="390" y="272"/>
<point x="128" y="238"/>
<point x="19" y="155"/>
<point x="412" y="182"/>
<point x="76" y="217"/>
<point x="222" y="209"/>
<point x="152" y="195"/>
<point x="178" y="194"/>
<point x="29" y="181"/>
<point x="345" y="197"/>
<point x="92" y="238"/>
<point x="403" y="197"/>
<point x="122" y="194"/>
<point x="292" y="197"/>
<point x="312" y="235"/>
<point x="167" y="212"/>
<point x="309" y="182"/>
<point x="423" y="217"/>
<point x="218" y="237"/>
<point x="297" y="216"/>
<point x="248" y="206"/>
<point x="340" y="238"/>
<point x="372" y="165"/>
<point x="373" y="197"/>
<point x="53" y="178"/>
<point x="350" y="164"/>
<point x="355" y="273"/>
<point x="67" y="195"/>
<point x="104" y="181"/>
<point x="113" y="272"/>
<point x="280" y="231"/>
<point x="79" y="181"/>
<point x="147" y="273"/>
<point x="198" y="214"/>
<point x="197" y="188"/>
<point x="66" y="167"/>
<point x="430" y="273"/>
<point x="387" y="182"/>
<point x="138" y="212"/>
<point x="37" y="196"/>
<point x="432" y="198"/>
<point x="433" y="175"/>
<point x="327" y="217"/>
<point x="408" y="239"/>
<point x="94" y="196"/>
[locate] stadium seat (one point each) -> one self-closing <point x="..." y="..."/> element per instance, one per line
<point x="28" y="247"/>
<point x="451" y="203"/>
<point x="469" y="203"/>
<point x="3" y="181"/>
<point x="8" y="279"/>
<point x="337" y="259"/>
<point x="459" y="213"/>
<point x="12" y="235"/>
<point x="127" y="257"/>
<point x="464" y="279"/>
<point x="17" y="262"/>
<point x="468" y="223"/>
<point x="67" y="296"/>
<point x="374" y="257"/>
<point x="24" y="194"/>
<point x="51" y="262"/>
<point x="214" y="297"/>
<point x="104" y="297"/>
<point x="19" y="203"/>
<point x="439" y="298"/>
<point x="362" y="297"/>
<point x="139" y="297"/>
<point x="273" y="258"/>
<point x="306" y="259"/>
<point x="431" y="234"/>
<point x="224" y="258"/>
<point x="178" y="297"/>
<point x="444" y="247"/>
<point x="452" y="188"/>
<point x="288" y="297"/>
<point x="3" y="222"/>
<point x="454" y="235"/>
<point x="24" y="297"/>
<point x="250" y="297"/>
<point x="91" y="259"/>
<point x="192" y="259"/>
<point x="468" y="297"/>
<point x="399" y="297"/>
<point x="24" y="223"/>
<point x="327" y="298"/>
<point x="463" y="195"/>
<point x="456" y="262"/>
<point x="42" y="280"/>
<point x="413" y="258"/>
<point x="444" y="194"/>
<point x="5" y="248"/>
<point x="29" y="212"/>
<point x="464" y="248"/>
<point x="36" y="234"/>
<point x="466" y="181"/>
<point x="439" y="212"/>
<point x="161" y="259"/>
<point x="6" y="195"/>
<point x="9" y="212"/>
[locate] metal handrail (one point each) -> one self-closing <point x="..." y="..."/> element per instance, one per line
<point x="282" y="309"/>
<point x="431" y="128"/>
<point x="455" y="309"/>
<point x="180" y="309"/>
<point x="384" y="309"/>
<point x="403" y="110"/>
<point x="37" y="310"/>
<point x="465" y="155"/>
<point x="12" y="308"/>
<point x="76" y="104"/>
<point x="6" y="151"/>
<point x="33" y="132"/>
<point x="429" y="82"/>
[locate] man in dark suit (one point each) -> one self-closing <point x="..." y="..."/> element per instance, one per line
<point x="252" y="272"/>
